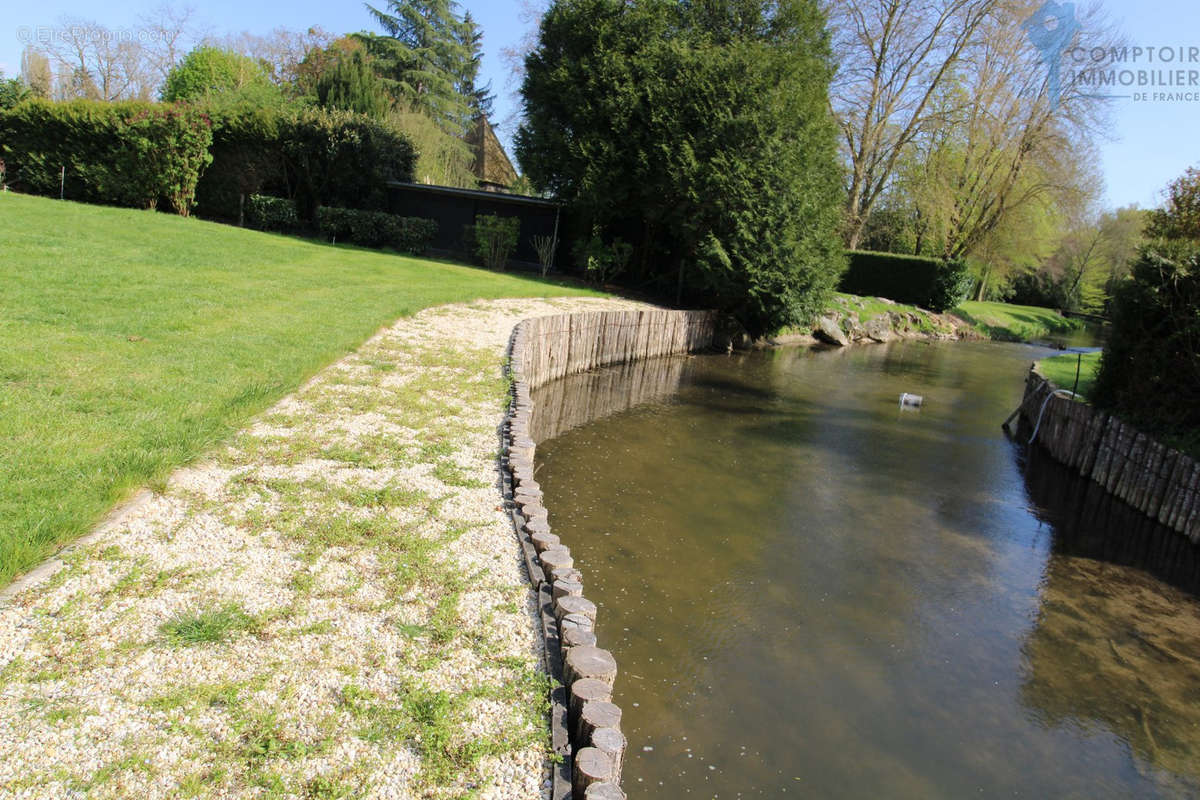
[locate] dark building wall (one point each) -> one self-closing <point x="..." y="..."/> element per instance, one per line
<point x="453" y="209"/>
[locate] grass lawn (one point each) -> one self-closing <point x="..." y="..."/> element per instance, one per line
<point x="1061" y="371"/>
<point x="131" y="342"/>
<point x="1007" y="322"/>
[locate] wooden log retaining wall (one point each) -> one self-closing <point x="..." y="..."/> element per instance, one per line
<point x="1162" y="483"/>
<point x="585" y="724"/>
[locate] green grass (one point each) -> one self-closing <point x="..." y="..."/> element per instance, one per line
<point x="1061" y="371"/>
<point x="132" y="342"/>
<point x="206" y="627"/>
<point x="1007" y="322"/>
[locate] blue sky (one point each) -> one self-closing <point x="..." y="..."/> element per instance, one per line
<point x="1150" y="143"/>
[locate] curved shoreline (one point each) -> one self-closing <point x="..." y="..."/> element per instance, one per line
<point x="585" y="724"/>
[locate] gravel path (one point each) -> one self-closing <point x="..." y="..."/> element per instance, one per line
<point x="334" y="605"/>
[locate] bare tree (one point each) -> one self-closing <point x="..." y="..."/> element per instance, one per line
<point x="1016" y="138"/>
<point x="895" y="55"/>
<point x="282" y="52"/>
<point x="170" y="32"/>
<point x="97" y="62"/>
<point x="954" y="98"/>
<point x="513" y="56"/>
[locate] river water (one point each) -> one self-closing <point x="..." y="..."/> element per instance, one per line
<point x="812" y="592"/>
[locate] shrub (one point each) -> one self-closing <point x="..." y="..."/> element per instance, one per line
<point x="342" y="159"/>
<point x="376" y="229"/>
<point x="316" y="156"/>
<point x="700" y="133"/>
<point x="1150" y="370"/>
<point x="930" y="283"/>
<point x="272" y="213"/>
<point x="246" y="159"/>
<point x="545" y="247"/>
<point x="496" y="238"/>
<point x="125" y="154"/>
<point x="601" y="261"/>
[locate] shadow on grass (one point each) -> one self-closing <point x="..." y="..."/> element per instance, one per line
<point x="1024" y="325"/>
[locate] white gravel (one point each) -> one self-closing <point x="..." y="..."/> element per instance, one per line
<point x="97" y="699"/>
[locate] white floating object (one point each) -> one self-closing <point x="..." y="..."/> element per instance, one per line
<point x="911" y="400"/>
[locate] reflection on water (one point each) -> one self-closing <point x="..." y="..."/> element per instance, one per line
<point x="1113" y="647"/>
<point x="812" y="591"/>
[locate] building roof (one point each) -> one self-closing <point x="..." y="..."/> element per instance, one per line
<point x="492" y="167"/>
<point x="478" y="194"/>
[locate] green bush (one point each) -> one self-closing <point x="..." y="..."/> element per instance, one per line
<point x="246" y="159"/>
<point x="700" y="133"/>
<point x="376" y="229"/>
<point x="343" y="159"/>
<point x="318" y="157"/>
<point x="602" y="262"/>
<point x="272" y="213"/>
<point x="495" y="238"/>
<point x="930" y="283"/>
<point x="208" y="71"/>
<point x="126" y="154"/>
<point x="1150" y="370"/>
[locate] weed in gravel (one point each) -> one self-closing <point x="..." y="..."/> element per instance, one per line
<point x="206" y="627"/>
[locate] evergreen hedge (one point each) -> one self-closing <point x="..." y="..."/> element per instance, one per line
<point x="930" y="283"/>
<point x="1150" y="370"/>
<point x="376" y="229"/>
<point x="268" y="213"/>
<point x="126" y="154"/>
<point x="318" y="157"/>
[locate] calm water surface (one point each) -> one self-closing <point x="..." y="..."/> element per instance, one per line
<point x="811" y="592"/>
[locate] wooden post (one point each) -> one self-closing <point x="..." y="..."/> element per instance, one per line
<point x="590" y="662"/>
<point x="595" y="714"/>
<point x="555" y="558"/>
<point x="612" y="742"/>
<point x="591" y="766"/>
<point x="567" y="589"/>
<point x="587" y="690"/>
<point x="604" y="791"/>
<point x="569" y="604"/>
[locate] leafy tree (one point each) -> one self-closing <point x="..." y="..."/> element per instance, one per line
<point x="480" y="98"/>
<point x="1150" y="370"/>
<point x="12" y="91"/>
<point x="208" y="71"/>
<point x="1181" y="217"/>
<point x="423" y="58"/>
<point x="351" y="84"/>
<point x="700" y="134"/>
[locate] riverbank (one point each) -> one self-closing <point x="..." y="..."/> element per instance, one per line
<point x="334" y="604"/>
<point x="851" y="319"/>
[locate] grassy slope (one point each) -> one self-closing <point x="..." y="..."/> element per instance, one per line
<point x="131" y="342"/>
<point x="1061" y="371"/>
<point x="1013" y="323"/>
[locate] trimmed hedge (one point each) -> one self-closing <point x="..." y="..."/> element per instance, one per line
<point x="1150" y="370"/>
<point x="318" y="157"/>
<point x="271" y="213"/>
<point x="125" y="154"/>
<point x="930" y="283"/>
<point x="376" y="229"/>
<point x="246" y="160"/>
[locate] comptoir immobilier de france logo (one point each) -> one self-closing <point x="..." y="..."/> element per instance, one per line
<point x="1051" y="28"/>
<point x="1148" y="74"/>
